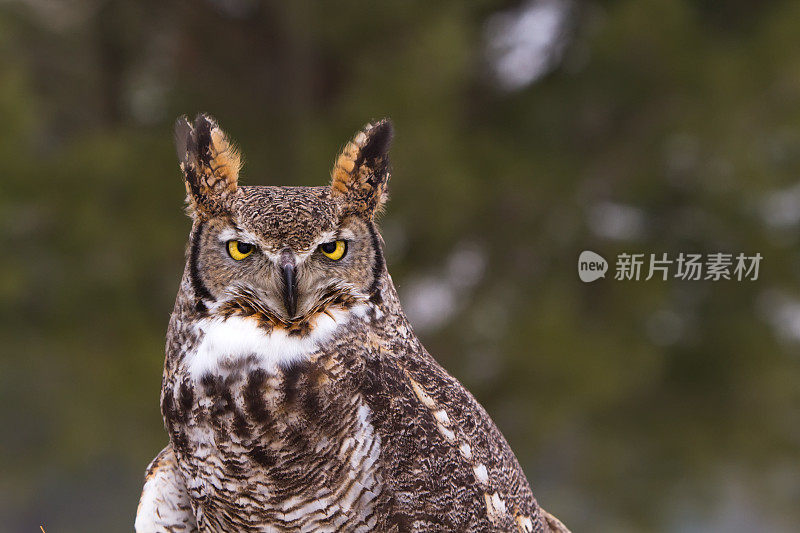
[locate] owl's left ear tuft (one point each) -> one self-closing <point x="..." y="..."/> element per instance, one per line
<point x="361" y="172"/>
<point x="209" y="161"/>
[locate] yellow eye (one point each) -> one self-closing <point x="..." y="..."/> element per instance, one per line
<point x="334" y="250"/>
<point x="239" y="250"/>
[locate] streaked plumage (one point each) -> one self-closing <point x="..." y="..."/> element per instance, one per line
<point x="295" y="394"/>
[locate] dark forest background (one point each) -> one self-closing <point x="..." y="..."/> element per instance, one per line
<point x="526" y="132"/>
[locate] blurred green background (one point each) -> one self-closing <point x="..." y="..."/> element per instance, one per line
<point x="526" y="132"/>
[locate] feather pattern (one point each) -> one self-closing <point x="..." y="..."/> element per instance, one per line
<point x="328" y="417"/>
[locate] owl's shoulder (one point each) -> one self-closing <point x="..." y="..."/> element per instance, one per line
<point x="439" y="446"/>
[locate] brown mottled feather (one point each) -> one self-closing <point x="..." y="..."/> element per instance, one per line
<point x="363" y="432"/>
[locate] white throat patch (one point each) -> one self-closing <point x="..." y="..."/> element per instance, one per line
<point x="224" y="341"/>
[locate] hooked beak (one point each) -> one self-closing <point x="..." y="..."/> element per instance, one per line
<point x="290" y="289"/>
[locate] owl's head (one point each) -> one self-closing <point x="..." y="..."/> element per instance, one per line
<point x="282" y="254"/>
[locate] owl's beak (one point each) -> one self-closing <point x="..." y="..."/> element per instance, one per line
<point x="290" y="289"/>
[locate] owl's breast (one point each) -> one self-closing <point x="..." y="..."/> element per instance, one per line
<point x="267" y="435"/>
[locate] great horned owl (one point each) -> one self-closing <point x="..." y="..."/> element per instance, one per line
<point x="295" y="394"/>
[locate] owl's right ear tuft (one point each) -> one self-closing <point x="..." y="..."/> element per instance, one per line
<point x="209" y="161"/>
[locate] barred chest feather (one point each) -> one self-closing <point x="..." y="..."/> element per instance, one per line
<point x="296" y="396"/>
<point x="270" y="428"/>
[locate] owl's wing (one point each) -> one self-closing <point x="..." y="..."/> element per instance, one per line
<point x="164" y="505"/>
<point x="444" y="463"/>
<point x="554" y="523"/>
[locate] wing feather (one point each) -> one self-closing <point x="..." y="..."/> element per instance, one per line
<point x="164" y="506"/>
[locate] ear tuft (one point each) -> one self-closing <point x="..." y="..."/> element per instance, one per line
<point x="209" y="161"/>
<point x="361" y="172"/>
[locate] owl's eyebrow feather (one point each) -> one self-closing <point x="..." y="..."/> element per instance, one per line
<point x="233" y="231"/>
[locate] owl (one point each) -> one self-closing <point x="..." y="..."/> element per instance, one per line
<point x="295" y="393"/>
